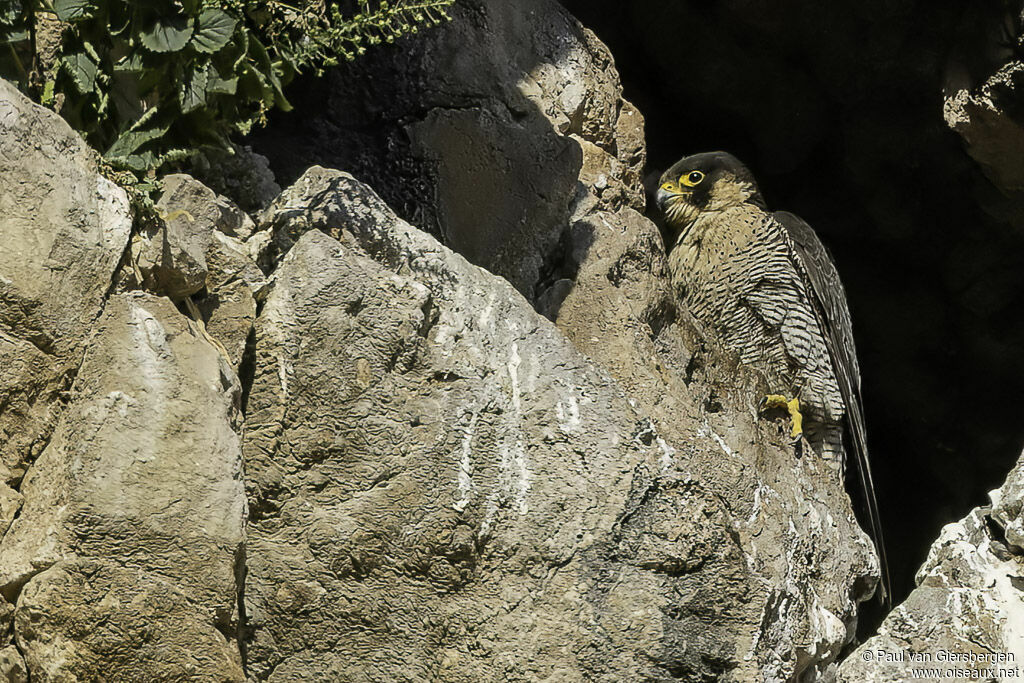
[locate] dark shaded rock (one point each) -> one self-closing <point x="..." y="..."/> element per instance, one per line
<point x="240" y="174"/>
<point x="477" y="130"/>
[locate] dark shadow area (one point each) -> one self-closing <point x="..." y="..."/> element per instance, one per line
<point x="838" y="110"/>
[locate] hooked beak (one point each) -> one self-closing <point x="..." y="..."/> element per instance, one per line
<point x="661" y="197"/>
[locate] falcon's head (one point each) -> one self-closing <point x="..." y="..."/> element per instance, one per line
<point x="711" y="181"/>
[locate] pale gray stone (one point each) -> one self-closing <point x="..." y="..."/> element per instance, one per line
<point x="10" y="503"/>
<point x="198" y="251"/>
<point x="12" y="666"/>
<point x="64" y="229"/>
<point x="144" y="468"/>
<point x="171" y="256"/>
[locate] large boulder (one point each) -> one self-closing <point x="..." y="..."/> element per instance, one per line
<point x="64" y="229"/>
<point x="964" y="618"/>
<point x="143" y="478"/>
<point x="505" y="134"/>
<point x="442" y="486"/>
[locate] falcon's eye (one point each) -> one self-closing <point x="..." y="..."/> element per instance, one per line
<point x="692" y="178"/>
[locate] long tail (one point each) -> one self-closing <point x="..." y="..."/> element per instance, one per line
<point x="858" y="434"/>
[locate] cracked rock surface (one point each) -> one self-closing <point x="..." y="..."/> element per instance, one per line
<point x="449" y="516"/>
<point x="483" y="500"/>
<point x="140" y="485"/>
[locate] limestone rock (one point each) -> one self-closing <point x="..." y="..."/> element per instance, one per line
<point x="458" y="487"/>
<point x="1008" y="509"/>
<point x="985" y="117"/>
<point x="91" y="620"/>
<point x="455" y="494"/>
<point x="12" y="666"/>
<point x="10" y="503"/>
<point x="64" y="229"/>
<point x="809" y="563"/>
<point x="143" y="470"/>
<point x="967" y="603"/>
<point x="172" y="256"/>
<point x="234" y="282"/>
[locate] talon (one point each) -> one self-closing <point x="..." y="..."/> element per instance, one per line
<point x="793" y="407"/>
<point x="798" y="419"/>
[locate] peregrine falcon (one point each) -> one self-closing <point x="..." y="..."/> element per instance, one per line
<point x="764" y="284"/>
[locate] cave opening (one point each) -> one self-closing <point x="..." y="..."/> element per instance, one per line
<point x="838" y="110"/>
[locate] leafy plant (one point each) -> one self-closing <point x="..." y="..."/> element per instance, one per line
<point x="147" y="82"/>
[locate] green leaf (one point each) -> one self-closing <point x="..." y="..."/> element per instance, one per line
<point x="274" y="94"/>
<point x="251" y="83"/>
<point x="213" y="31"/>
<point x="14" y="37"/>
<point x="135" y="162"/>
<point x="73" y="10"/>
<point x="167" y="35"/>
<point x="10" y="12"/>
<point x="124" y="91"/>
<point x="130" y="140"/>
<point x="82" y="70"/>
<point x="192" y="94"/>
<point x="226" y="86"/>
<point x="131" y="63"/>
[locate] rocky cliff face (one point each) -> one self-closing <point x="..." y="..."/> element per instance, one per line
<point x="321" y="442"/>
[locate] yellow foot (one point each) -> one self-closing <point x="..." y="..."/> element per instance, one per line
<point x="793" y="406"/>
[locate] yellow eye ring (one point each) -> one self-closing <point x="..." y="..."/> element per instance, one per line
<point x="691" y="179"/>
